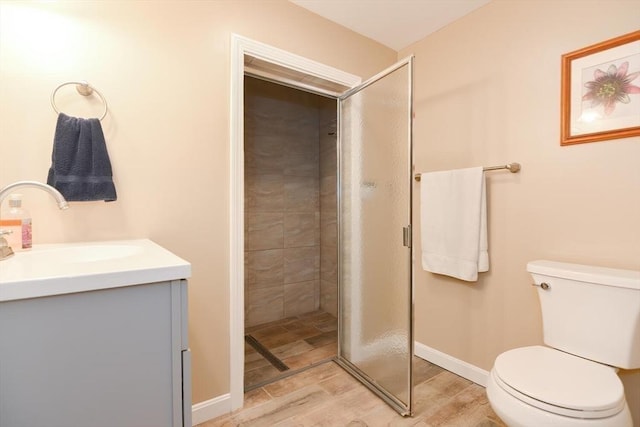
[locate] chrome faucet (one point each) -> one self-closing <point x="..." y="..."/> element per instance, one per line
<point x="5" y="249"/>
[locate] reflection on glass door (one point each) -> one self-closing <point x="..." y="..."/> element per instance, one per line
<point x="374" y="266"/>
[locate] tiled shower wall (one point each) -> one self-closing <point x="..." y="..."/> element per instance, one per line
<point x="328" y="209"/>
<point x="282" y="202"/>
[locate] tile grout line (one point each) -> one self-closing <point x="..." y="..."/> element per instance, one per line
<point x="285" y="375"/>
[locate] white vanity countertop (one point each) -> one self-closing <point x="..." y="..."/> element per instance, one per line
<point x="55" y="269"/>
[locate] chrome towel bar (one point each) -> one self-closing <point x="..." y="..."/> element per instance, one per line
<point x="512" y="167"/>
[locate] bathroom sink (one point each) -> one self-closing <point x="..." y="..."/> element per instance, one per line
<point x="81" y="254"/>
<point x="78" y="267"/>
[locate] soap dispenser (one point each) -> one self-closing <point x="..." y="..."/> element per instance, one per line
<point x="17" y="220"/>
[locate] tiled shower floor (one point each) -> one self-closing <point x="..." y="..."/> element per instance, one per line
<point x="298" y="341"/>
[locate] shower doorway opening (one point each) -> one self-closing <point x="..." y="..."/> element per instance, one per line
<point x="290" y="240"/>
<point x="252" y="59"/>
<point x="374" y="233"/>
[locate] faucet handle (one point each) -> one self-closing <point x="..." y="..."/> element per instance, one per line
<point x="3" y="232"/>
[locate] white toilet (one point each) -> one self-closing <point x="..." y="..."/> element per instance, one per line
<point x="591" y="323"/>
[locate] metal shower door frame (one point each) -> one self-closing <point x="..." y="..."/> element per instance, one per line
<point x="399" y="406"/>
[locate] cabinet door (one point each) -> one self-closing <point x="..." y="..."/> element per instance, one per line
<point x="93" y="359"/>
<point x="181" y="354"/>
<point x="186" y="388"/>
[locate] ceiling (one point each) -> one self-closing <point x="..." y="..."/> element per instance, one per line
<point x="393" y="23"/>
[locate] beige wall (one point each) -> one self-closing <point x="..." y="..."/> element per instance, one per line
<point x="164" y="68"/>
<point x="487" y="91"/>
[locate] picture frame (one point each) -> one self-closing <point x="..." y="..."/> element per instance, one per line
<point x="600" y="91"/>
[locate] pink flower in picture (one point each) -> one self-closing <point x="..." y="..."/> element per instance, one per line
<point x="609" y="88"/>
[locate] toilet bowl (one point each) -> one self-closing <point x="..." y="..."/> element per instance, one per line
<point x="591" y="327"/>
<point x="539" y="386"/>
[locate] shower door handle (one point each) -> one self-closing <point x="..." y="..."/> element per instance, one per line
<point x="406" y="236"/>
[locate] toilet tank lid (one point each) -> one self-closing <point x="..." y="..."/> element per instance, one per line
<point x="587" y="273"/>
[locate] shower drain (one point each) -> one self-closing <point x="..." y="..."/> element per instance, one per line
<point x="264" y="352"/>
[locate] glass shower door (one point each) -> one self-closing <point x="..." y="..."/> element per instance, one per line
<point x="374" y="260"/>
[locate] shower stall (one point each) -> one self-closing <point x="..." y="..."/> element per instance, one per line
<point x="327" y="229"/>
<point x="290" y="230"/>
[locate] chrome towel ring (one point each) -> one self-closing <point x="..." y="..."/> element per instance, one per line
<point x="83" y="89"/>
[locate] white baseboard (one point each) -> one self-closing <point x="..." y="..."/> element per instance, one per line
<point x="450" y="363"/>
<point x="210" y="409"/>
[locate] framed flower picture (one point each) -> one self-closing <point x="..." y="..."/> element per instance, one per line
<point x="601" y="91"/>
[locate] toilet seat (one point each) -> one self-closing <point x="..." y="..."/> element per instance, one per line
<point x="559" y="382"/>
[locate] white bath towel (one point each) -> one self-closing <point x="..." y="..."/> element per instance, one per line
<point x="454" y="223"/>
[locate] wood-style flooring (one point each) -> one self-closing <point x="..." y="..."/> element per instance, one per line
<point x="326" y="395"/>
<point x="298" y="341"/>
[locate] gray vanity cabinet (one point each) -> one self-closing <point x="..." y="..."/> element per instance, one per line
<point x="114" y="357"/>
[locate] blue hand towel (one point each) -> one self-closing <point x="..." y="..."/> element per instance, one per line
<point x="80" y="165"/>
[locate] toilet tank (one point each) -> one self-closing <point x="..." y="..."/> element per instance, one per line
<point x="592" y="312"/>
